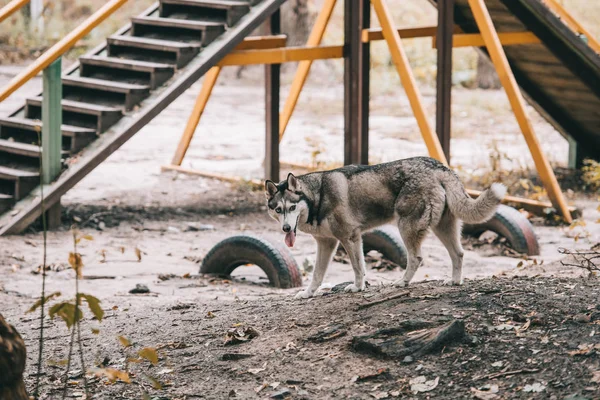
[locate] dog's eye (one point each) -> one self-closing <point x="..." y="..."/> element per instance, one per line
<point x="278" y="210"/>
<point x="292" y="208"/>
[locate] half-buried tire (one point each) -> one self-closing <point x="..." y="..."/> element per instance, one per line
<point x="274" y="259"/>
<point x="511" y="224"/>
<point x="387" y="241"/>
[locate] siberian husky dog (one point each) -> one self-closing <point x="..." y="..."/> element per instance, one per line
<point x="337" y="206"/>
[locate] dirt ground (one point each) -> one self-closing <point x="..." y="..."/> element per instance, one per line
<point x="128" y="204"/>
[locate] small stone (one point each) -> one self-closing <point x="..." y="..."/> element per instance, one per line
<point x="282" y="394"/>
<point x="172" y="229"/>
<point x="140" y="289"/>
<point x="408" y="360"/>
<point x="101" y="226"/>
<point x="488" y="236"/>
<point x="193" y="227"/>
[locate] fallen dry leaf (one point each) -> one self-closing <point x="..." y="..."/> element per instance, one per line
<point x="138" y="254"/>
<point x="240" y="335"/>
<point x="595" y="377"/>
<point x="421" y="384"/>
<point x="535" y="388"/>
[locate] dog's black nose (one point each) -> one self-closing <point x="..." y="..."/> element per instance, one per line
<point x="287" y="228"/>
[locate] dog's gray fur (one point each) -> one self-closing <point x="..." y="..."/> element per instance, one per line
<point x="339" y="205"/>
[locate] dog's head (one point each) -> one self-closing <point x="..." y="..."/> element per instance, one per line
<point x="285" y="204"/>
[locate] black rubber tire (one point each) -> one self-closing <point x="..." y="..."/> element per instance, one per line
<point x="387" y="241"/>
<point x="511" y="224"/>
<point x="274" y="259"/>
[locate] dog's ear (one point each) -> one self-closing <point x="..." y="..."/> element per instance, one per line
<point x="270" y="188"/>
<point x="293" y="184"/>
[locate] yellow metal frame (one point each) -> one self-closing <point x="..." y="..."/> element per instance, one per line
<point x="11" y="8"/>
<point x="61" y="47"/>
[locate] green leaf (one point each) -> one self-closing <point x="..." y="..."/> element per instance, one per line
<point x="94" y="305"/>
<point x="149" y="354"/>
<point x="66" y="311"/>
<point x="43" y="300"/>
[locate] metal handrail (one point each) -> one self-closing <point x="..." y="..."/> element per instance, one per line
<point x="572" y="23"/>
<point x="61" y="47"/>
<point x="11" y="8"/>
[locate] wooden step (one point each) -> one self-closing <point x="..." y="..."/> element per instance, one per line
<point x="99" y="117"/>
<point x="146" y="49"/>
<point x="6" y="202"/>
<point x="86" y="89"/>
<point x="21" y="149"/>
<point x="201" y="32"/>
<point x="18" y="182"/>
<point x="228" y="12"/>
<point x="26" y="130"/>
<point x="122" y="70"/>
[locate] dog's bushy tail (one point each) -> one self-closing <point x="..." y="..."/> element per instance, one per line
<point x="473" y="211"/>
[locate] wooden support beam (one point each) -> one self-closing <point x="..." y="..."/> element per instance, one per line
<point x="280" y="56"/>
<point x="262" y="42"/>
<point x="390" y="33"/>
<point x="494" y="47"/>
<point x="207" y="86"/>
<point x="356" y="82"/>
<point x="314" y="39"/>
<point x="444" y="74"/>
<point x="51" y="122"/>
<point x="506" y="39"/>
<point x="11" y="8"/>
<point x="373" y="34"/>
<point x="272" y="85"/>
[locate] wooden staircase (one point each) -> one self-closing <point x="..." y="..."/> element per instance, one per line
<point x="115" y="90"/>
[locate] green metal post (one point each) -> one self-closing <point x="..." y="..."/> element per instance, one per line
<point x="51" y="122"/>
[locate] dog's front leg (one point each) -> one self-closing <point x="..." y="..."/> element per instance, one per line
<point x="325" y="249"/>
<point x="354" y="248"/>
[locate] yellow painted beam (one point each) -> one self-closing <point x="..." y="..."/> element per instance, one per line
<point x="280" y="56"/>
<point x="392" y="37"/>
<point x="262" y="42"/>
<point x="572" y="23"/>
<point x="374" y="34"/>
<point x="61" y="47"/>
<point x="314" y="39"/>
<point x="207" y="86"/>
<point x="494" y="47"/>
<point x="11" y="8"/>
<point x="506" y="39"/>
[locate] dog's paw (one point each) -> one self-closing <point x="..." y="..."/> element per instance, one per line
<point x="352" y="288"/>
<point x="400" y="283"/>
<point x="304" y="294"/>
<point x="452" y="282"/>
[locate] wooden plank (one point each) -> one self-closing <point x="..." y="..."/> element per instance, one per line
<point x="517" y="102"/>
<point x="356" y="83"/>
<point x="272" y="86"/>
<point x="374" y="34"/>
<point x="314" y="39"/>
<point x="284" y="55"/>
<point x="444" y="75"/>
<point x="506" y="39"/>
<point x="51" y="122"/>
<point x="400" y="59"/>
<point x="533" y="206"/>
<point x="210" y="79"/>
<point x="225" y="178"/>
<point x="61" y="47"/>
<point x="262" y="42"/>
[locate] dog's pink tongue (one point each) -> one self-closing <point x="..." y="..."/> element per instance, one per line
<point x="290" y="238"/>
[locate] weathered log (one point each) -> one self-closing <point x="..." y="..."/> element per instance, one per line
<point x="12" y="363"/>
<point x="411" y="337"/>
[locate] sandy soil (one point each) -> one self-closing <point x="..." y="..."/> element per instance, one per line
<point x="127" y="203"/>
